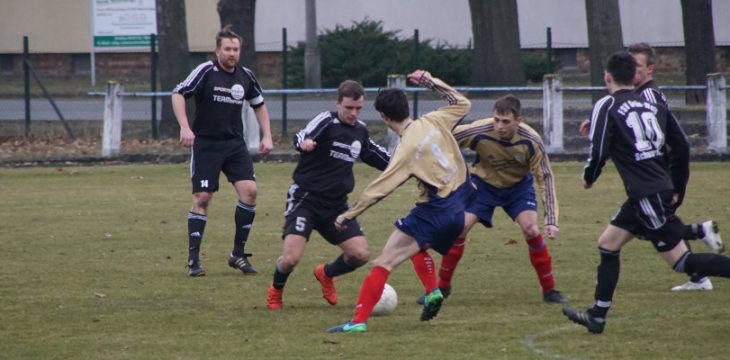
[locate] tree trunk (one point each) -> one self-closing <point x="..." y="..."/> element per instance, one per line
<point x="604" y="37"/>
<point x="497" y="55"/>
<point x="312" y="68"/>
<point x="699" y="45"/>
<point x="241" y="14"/>
<point x="174" y="58"/>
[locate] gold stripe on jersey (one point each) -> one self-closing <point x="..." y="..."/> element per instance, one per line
<point x="427" y="151"/>
<point x="503" y="164"/>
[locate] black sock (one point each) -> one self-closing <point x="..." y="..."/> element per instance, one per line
<point x="704" y="264"/>
<point x="244" y="220"/>
<point x="699" y="230"/>
<point x="196" y="227"/>
<point x="691" y="232"/>
<point x="279" y="278"/>
<point x="606" y="281"/>
<point x="339" y="267"/>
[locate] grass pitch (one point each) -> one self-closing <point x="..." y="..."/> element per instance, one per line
<point x="93" y="266"/>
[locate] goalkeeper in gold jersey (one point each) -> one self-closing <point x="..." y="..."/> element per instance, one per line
<point x="429" y="153"/>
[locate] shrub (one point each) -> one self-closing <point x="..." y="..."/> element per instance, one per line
<point x="366" y="53"/>
<point x="536" y="66"/>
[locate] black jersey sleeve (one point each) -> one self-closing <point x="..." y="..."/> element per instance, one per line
<point x="600" y="135"/>
<point x="254" y="93"/>
<point x="375" y="155"/>
<point x="678" y="156"/>
<point x="654" y="96"/>
<point x="313" y="130"/>
<point x="188" y="87"/>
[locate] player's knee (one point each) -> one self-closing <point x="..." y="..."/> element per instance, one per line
<point x="288" y="262"/>
<point x="246" y="191"/>
<point x="531" y="231"/>
<point x="201" y="200"/>
<point x="358" y="258"/>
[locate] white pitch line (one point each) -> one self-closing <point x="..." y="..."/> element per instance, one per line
<point x="529" y="342"/>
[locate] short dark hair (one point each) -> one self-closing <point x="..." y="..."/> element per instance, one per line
<point x="622" y="67"/>
<point x="643" y="48"/>
<point x="508" y="104"/>
<point x="227" y="33"/>
<point x="351" y="89"/>
<point x="393" y="103"/>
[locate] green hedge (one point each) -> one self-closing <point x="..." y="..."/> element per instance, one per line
<point x="367" y="53"/>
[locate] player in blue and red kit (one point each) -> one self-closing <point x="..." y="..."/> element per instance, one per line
<point x="429" y="153"/>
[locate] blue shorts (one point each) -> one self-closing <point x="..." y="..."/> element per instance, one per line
<point x="513" y="200"/>
<point x="437" y="230"/>
<point x="438" y="222"/>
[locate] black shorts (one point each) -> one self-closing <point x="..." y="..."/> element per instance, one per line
<point x="651" y="218"/>
<point x="306" y="212"/>
<point x="210" y="157"/>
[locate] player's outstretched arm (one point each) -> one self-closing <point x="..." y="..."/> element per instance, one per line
<point x="458" y="106"/>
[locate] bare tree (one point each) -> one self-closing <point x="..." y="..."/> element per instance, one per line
<point x="699" y="45"/>
<point x="241" y="14"/>
<point x="604" y="36"/>
<point x="312" y="68"/>
<point x="497" y="55"/>
<point x="174" y="57"/>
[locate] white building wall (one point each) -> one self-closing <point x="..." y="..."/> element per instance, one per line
<point x="62" y="26"/>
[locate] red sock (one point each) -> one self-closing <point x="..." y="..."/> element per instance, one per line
<point x="542" y="262"/>
<point x="372" y="288"/>
<point x="423" y="264"/>
<point x="449" y="262"/>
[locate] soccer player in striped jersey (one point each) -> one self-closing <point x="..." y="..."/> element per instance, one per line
<point x="708" y="231"/>
<point x="429" y="153"/>
<point x="634" y="134"/>
<point x="220" y="87"/>
<point x="329" y="146"/>
<point x="510" y="157"/>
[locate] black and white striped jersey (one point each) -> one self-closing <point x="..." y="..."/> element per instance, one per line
<point x="219" y="97"/>
<point x="327" y="170"/>
<point x="633" y="132"/>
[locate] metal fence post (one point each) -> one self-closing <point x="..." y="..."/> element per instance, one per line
<point x="552" y="113"/>
<point x="153" y="84"/>
<point x="716" y="114"/>
<point x="284" y="83"/>
<point x="112" y="135"/>
<point x="397" y="81"/>
<point x="26" y="85"/>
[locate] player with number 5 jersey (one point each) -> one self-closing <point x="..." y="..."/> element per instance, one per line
<point x="329" y="146"/>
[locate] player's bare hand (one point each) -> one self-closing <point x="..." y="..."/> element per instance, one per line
<point x="266" y="145"/>
<point x="675" y="199"/>
<point x="340" y="223"/>
<point x="187" y="137"/>
<point x="415" y="77"/>
<point x="585" y="127"/>
<point x="308" y="145"/>
<point x="551" y="231"/>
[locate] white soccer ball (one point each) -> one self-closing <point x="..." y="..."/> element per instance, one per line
<point x="387" y="303"/>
